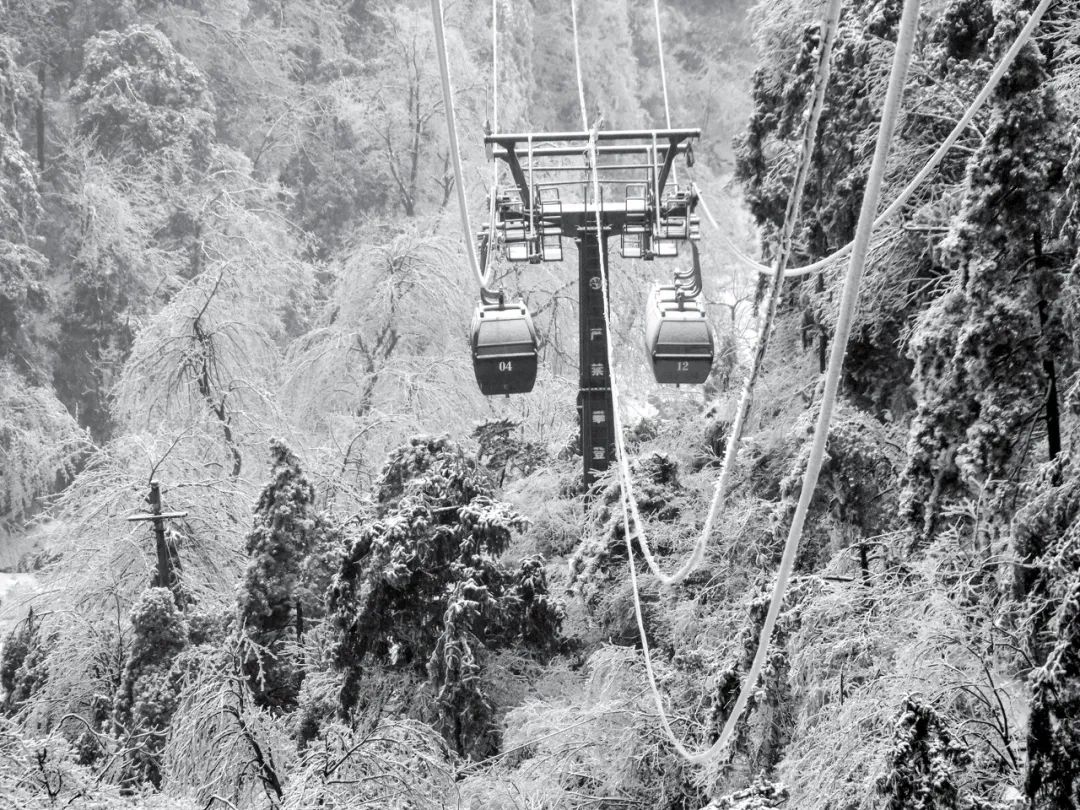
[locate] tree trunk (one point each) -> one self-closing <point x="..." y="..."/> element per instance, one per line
<point x="1053" y="412"/>
<point x="164" y="570"/>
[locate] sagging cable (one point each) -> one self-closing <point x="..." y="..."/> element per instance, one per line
<point x="848" y="306"/>
<point x="791" y="216"/>
<point x="935" y="160"/>
<point x="455" y="153"/>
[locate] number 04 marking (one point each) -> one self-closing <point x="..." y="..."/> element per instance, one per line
<point x="506" y="365"/>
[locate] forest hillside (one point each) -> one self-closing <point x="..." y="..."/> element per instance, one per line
<point x="235" y="293"/>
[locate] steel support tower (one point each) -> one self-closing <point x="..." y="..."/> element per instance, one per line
<point x="534" y="215"/>
<point x="596" y="409"/>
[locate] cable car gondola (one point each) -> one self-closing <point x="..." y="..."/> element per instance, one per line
<point x="678" y="340"/>
<point x="504" y="348"/>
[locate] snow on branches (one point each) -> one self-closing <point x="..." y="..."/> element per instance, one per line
<point x="422" y="589"/>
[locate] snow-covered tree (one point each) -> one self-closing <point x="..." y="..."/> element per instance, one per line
<point x="421" y="588"/>
<point x="142" y="101"/>
<point x="1046" y="538"/>
<point x="292" y="551"/>
<point x="149" y="689"/>
<point x="984" y="350"/>
<point x="923" y="762"/>
<point x="22" y="265"/>
<point x="40" y="444"/>
<point x="1053" y="777"/>
<point x="145" y="121"/>
<point x="23" y="667"/>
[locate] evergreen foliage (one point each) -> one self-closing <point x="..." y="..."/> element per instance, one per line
<point x="766" y="729"/>
<point x="507" y="456"/>
<point x="291" y="549"/>
<point x="660" y="496"/>
<point x="1046" y="533"/>
<point x="853" y="498"/>
<point x="759" y="796"/>
<point x="23" y="668"/>
<point x="141" y="100"/>
<point x="421" y="587"/>
<point x="980" y="349"/>
<point x="1053" y="777"/>
<point x="149" y="688"/>
<point x="1046" y="541"/>
<point x="923" y="762"/>
<point x="222" y="222"/>
<point x="22" y="266"/>
<point x="875" y="371"/>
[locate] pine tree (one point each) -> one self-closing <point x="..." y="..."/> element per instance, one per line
<point x="421" y="589"/>
<point x="23" y="666"/>
<point x="503" y="452"/>
<point x="660" y="496"/>
<point x="1053" y="777"/>
<point x="922" y="762"/>
<point x="291" y="549"/>
<point x="875" y="371"/>
<point x="142" y="101"/>
<point x="981" y="350"/>
<point x="149" y="689"/>
<point x="1046" y="535"/>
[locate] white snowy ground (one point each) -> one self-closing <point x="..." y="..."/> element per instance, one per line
<point x="18" y="588"/>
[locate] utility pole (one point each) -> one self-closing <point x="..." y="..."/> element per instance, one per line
<point x="163" y="576"/>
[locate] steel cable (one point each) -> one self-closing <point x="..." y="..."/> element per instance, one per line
<point x="848" y="305"/>
<point x="890" y="114"/>
<point x="794" y="205"/>
<point x="451" y="128"/>
<point x="663" y="76"/>
<point x="939" y="154"/>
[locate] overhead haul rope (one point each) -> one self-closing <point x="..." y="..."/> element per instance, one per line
<point x="850" y="296"/>
<point x="494" y="65"/>
<point x="791" y="216"/>
<point x="494" y="129"/>
<point x="620" y="449"/>
<point x="494" y="124"/>
<point x="848" y="303"/>
<point x="627" y="500"/>
<point x="593" y="158"/>
<point x="741" y="414"/>
<point x="451" y="129"/>
<point x="663" y="76"/>
<point x="532" y="188"/>
<point x="577" y="65"/>
<point x="931" y="164"/>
